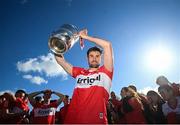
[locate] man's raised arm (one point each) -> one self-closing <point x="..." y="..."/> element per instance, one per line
<point x="65" y="65"/>
<point x="106" y="45"/>
<point x="32" y="95"/>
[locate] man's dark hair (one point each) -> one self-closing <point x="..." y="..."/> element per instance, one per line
<point x="125" y="89"/>
<point x="38" y="98"/>
<point x="94" y="49"/>
<point x="67" y="96"/>
<point x="20" y="91"/>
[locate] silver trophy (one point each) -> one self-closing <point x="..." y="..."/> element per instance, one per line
<point x="63" y="39"/>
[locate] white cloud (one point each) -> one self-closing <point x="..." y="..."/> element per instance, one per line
<point x="35" y="79"/>
<point x="8" y="91"/>
<point x="146" y="89"/>
<point x="43" y="65"/>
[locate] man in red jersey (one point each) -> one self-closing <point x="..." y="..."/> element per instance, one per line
<point x="21" y="102"/>
<point x="21" y="105"/>
<point x="115" y="100"/>
<point x="6" y="114"/>
<point x="44" y="112"/>
<point x="91" y="93"/>
<point x="64" y="109"/>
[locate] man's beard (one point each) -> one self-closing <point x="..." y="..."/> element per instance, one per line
<point x="94" y="65"/>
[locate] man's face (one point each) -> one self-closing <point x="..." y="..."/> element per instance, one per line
<point x="152" y="98"/>
<point x="123" y="93"/>
<point x="113" y="96"/>
<point x="94" y="59"/>
<point x="21" y="95"/>
<point x="47" y="95"/>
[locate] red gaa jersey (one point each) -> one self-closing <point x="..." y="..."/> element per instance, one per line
<point x="20" y="106"/>
<point x="62" y="113"/>
<point x="90" y="96"/>
<point x="136" y="116"/>
<point x="44" y="114"/>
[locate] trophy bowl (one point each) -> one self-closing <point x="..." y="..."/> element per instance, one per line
<point x="63" y="39"/>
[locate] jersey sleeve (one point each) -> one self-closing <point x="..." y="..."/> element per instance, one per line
<point x="76" y="71"/>
<point x="106" y="71"/>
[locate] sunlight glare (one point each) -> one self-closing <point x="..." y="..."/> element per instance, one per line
<point x="159" y="59"/>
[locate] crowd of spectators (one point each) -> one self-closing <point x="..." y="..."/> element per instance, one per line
<point x="162" y="107"/>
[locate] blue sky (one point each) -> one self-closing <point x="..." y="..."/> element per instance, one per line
<point x="134" y="27"/>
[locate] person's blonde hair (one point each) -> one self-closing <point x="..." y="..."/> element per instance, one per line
<point x="135" y="95"/>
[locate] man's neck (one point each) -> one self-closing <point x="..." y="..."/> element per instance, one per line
<point x="47" y="101"/>
<point x="93" y="69"/>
